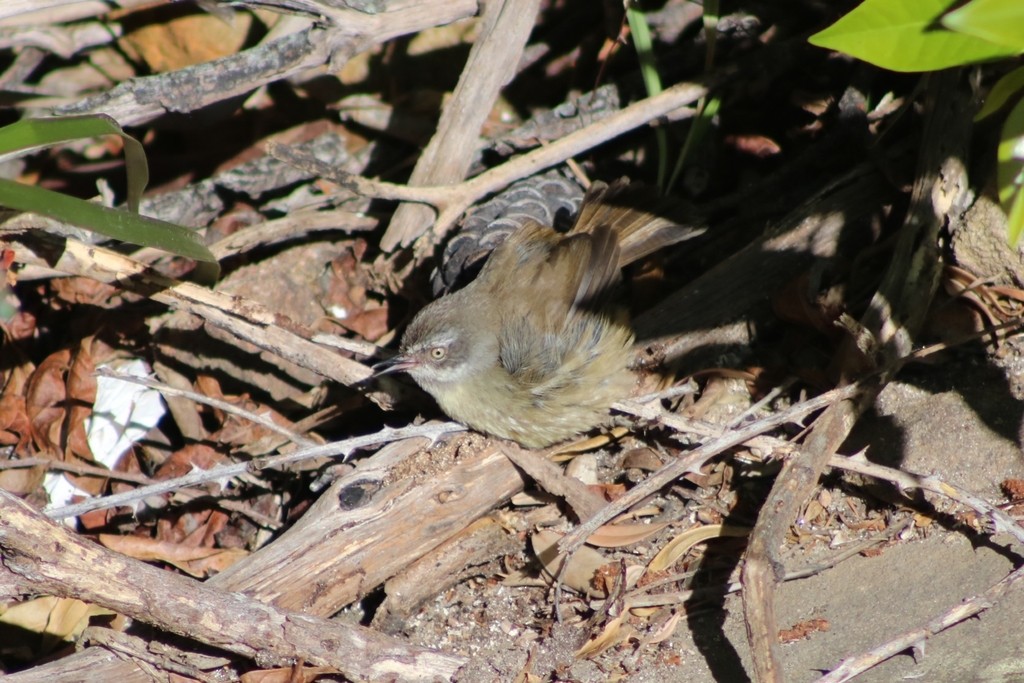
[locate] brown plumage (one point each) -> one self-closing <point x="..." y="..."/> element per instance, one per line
<point x="535" y="349"/>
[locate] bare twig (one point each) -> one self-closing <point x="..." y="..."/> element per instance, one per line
<point x="244" y="318"/>
<point x="348" y="33"/>
<point x="75" y="468"/>
<point x="452" y="200"/>
<point x="28" y="12"/>
<point x="289" y="227"/>
<point x="493" y="59"/>
<point x="225" y="472"/>
<point x="854" y="666"/>
<point x="1000" y="521"/>
<point x="640" y="599"/>
<point x="692" y="461"/>
<point x="227" y="407"/>
<point x="552" y="479"/>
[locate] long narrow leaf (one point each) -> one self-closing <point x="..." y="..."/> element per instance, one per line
<point x="30" y="134"/>
<point x="114" y="223"/>
<point x="1006" y="88"/>
<point x="644" y="45"/>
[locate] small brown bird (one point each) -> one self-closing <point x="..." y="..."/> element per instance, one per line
<point x="535" y="349"/>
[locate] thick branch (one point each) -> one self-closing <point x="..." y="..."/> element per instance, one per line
<point x="61" y="563"/>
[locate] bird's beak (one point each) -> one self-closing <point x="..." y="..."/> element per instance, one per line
<point x="396" y="364"/>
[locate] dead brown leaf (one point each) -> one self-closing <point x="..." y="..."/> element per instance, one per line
<point x="45" y="402"/>
<point x="186" y="459"/>
<point x="759" y="146"/>
<point x="198" y="562"/>
<point x="681" y="544"/>
<point x="58" y="399"/>
<point x="300" y="674"/>
<point x="82" y="290"/>
<point x="803" y="630"/>
<point x="621" y="535"/>
<point x="178" y="42"/>
<point x="1011" y="488"/>
<point x="610" y="492"/>
<point x="21" y="481"/>
<point x="581" y="570"/>
<point x="22" y="325"/>
<point x="15" y="428"/>
<point x="81" y="392"/>
<point x="614" y="632"/>
<point x="63" y="618"/>
<point x="346" y="294"/>
<point x="204" y="536"/>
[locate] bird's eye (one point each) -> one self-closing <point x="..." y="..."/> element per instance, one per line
<point x="438" y="353"/>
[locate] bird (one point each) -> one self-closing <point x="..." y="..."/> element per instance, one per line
<point x="537" y="347"/>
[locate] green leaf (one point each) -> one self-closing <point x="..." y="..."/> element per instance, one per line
<point x="1010" y="173"/>
<point x="905" y="35"/>
<point x="997" y="21"/>
<point x="30" y="134"/>
<point x="1015" y="218"/>
<point x="115" y="223"/>
<point x="1005" y="88"/>
<point x="712" y="14"/>
<point x="707" y="109"/>
<point x="641" y="33"/>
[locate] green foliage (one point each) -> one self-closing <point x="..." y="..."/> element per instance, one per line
<point x="924" y="35"/>
<point x="127" y="226"/>
<point x="911" y="36"/>
<point x="1005" y="89"/>
<point x="1010" y="154"/>
<point x="32" y="134"/>
<point x="1010" y="173"/>
<point x="706" y="109"/>
<point x="644" y="46"/>
<point x="997" y="21"/>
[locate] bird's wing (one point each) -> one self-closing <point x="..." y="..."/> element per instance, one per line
<point x="537" y="268"/>
<point x="643" y="221"/>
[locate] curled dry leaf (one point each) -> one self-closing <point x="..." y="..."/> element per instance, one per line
<point x="347" y="294"/>
<point x="83" y="290"/>
<point x="610" y="491"/>
<point x="187" y="459"/>
<point x="81" y="394"/>
<point x="614" y="632"/>
<point x="620" y="535"/>
<point x="45" y="397"/>
<point x="239" y="432"/>
<point x="63" y="618"/>
<point x="759" y="146"/>
<point x="21" y="481"/>
<point x="291" y="674"/>
<point x="15" y="427"/>
<point x="664" y="631"/>
<point x="58" y="399"/>
<point x="583" y="564"/>
<point x="645" y="459"/>
<point x="198" y="562"/>
<point x="681" y="544"/>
